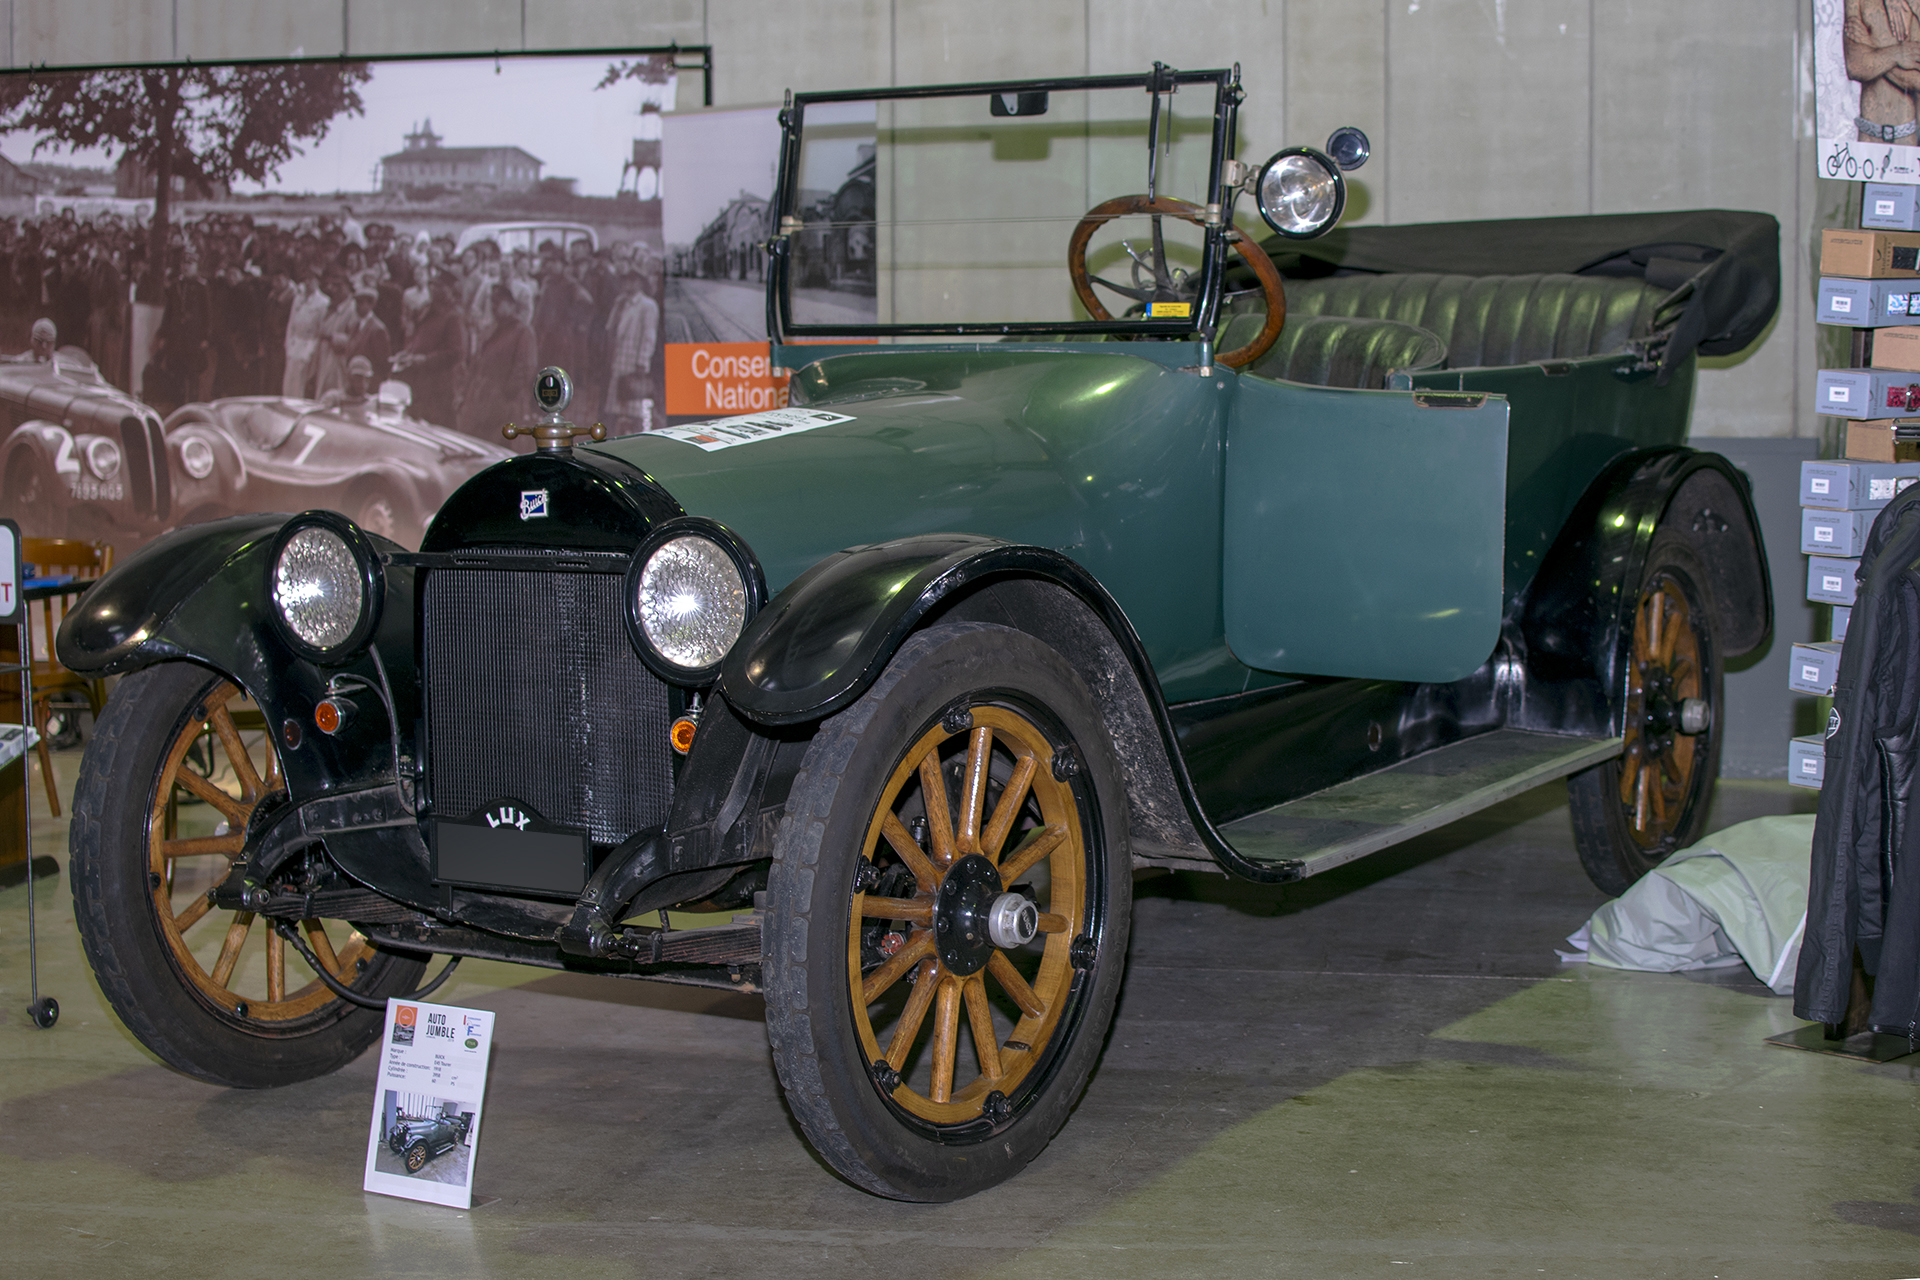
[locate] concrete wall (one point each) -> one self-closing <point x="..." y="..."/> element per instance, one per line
<point x="1477" y="108"/>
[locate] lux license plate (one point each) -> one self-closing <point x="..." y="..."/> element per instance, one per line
<point x="501" y="857"/>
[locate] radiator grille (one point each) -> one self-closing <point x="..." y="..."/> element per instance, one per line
<point x="534" y="691"/>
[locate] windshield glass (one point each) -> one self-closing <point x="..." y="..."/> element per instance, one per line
<point x="957" y="212"/>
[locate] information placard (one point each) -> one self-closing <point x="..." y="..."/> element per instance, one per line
<point x="12" y="611"/>
<point x="427" y="1102"/>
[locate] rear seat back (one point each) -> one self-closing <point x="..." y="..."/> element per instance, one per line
<point x="1490" y="321"/>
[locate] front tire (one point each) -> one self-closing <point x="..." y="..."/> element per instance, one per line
<point x="167" y="758"/>
<point x="34" y="497"/>
<point x="416" y="1157"/>
<point x="1630" y="813"/>
<point x="975" y="772"/>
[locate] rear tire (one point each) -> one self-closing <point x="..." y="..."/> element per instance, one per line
<point x="1630" y="813"/>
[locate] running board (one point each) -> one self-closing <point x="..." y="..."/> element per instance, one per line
<point x="1316" y="833"/>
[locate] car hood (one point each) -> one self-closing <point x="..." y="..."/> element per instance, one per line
<point x="384" y="421"/>
<point x="81" y="401"/>
<point x="1050" y="446"/>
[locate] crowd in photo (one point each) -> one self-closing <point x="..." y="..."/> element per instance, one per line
<point x="253" y="307"/>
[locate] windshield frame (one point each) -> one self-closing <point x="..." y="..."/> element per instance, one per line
<point x="1227" y="95"/>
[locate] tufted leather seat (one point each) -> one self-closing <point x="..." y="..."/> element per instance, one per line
<point x="1491" y="321"/>
<point x="1338" y="351"/>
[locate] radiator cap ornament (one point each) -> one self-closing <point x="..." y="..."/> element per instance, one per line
<point x="552" y="392"/>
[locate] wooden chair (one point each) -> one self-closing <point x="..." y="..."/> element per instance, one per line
<point x="53" y="557"/>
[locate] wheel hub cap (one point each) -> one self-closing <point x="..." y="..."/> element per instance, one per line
<point x="962" y="912"/>
<point x="1013" y="921"/>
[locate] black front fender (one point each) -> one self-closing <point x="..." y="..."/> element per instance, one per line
<point x="154" y="604"/>
<point x="199" y="595"/>
<point x="826" y="637"/>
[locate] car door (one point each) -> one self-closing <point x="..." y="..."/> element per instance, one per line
<point x="1363" y="530"/>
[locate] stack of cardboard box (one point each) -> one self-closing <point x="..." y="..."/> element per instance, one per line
<point x="1870" y="282"/>
<point x="1838" y="503"/>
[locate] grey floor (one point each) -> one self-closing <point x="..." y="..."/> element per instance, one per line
<point x="1382" y="1072"/>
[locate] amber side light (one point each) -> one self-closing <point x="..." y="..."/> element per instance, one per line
<point x="681" y="734"/>
<point x="326" y="717"/>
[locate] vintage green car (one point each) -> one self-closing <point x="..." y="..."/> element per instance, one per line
<point x="418" y="1139"/>
<point x="877" y="703"/>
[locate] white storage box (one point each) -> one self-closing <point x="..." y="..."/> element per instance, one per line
<point x="1887" y="206"/>
<point x="1814" y="668"/>
<point x="1855" y="486"/>
<point x="1866" y="393"/>
<point x="1807" y="761"/>
<point x="1866" y="304"/>
<point x="1830" y="579"/>
<point x="1834" y="533"/>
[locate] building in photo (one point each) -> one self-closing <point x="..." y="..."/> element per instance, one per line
<point x="426" y="163"/>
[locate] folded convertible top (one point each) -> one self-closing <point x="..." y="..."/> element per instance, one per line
<point x="1722" y="265"/>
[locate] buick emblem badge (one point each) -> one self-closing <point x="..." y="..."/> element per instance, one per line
<point x="533" y="504"/>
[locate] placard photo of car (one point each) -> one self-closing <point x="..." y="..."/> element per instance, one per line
<point x="1180" y="533"/>
<point x="436" y="1134"/>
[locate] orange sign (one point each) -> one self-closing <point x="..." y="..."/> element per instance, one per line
<point x="404" y="1015"/>
<point x="723" y="378"/>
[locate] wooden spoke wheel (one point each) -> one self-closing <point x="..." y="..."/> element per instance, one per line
<point x="416" y="1157"/>
<point x="961" y="831"/>
<point x="1634" y="811"/>
<point x="178" y="765"/>
<point x="994" y="820"/>
<point x="1657" y="762"/>
<point x="238" y="962"/>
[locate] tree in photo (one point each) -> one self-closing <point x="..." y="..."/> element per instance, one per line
<point x="206" y="124"/>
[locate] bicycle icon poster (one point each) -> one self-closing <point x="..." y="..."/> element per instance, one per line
<point x="1866" y="78"/>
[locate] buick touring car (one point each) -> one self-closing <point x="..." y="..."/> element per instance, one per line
<point x="418" y="1139"/>
<point x="1129" y="534"/>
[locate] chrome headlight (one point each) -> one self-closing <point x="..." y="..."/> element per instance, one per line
<point x="103" y="458"/>
<point x="691" y="591"/>
<point x="325" y="582"/>
<point x="1301" y="193"/>
<point x="196" y="457"/>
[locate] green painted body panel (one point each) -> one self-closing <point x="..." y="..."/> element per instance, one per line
<point x="1116" y="456"/>
<point x="1570" y="418"/>
<point x="1363" y="531"/>
<point x="1108" y="454"/>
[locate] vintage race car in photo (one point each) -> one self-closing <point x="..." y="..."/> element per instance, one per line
<point x="387" y="470"/>
<point x="86" y="460"/>
<point x="1115" y="550"/>
<point x="80" y="457"/>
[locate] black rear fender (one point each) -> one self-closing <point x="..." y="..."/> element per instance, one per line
<point x="1575" y="620"/>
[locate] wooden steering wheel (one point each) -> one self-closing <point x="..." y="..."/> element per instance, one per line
<point x="1120" y="206"/>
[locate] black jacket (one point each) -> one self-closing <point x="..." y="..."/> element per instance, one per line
<point x="1865" y="887"/>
